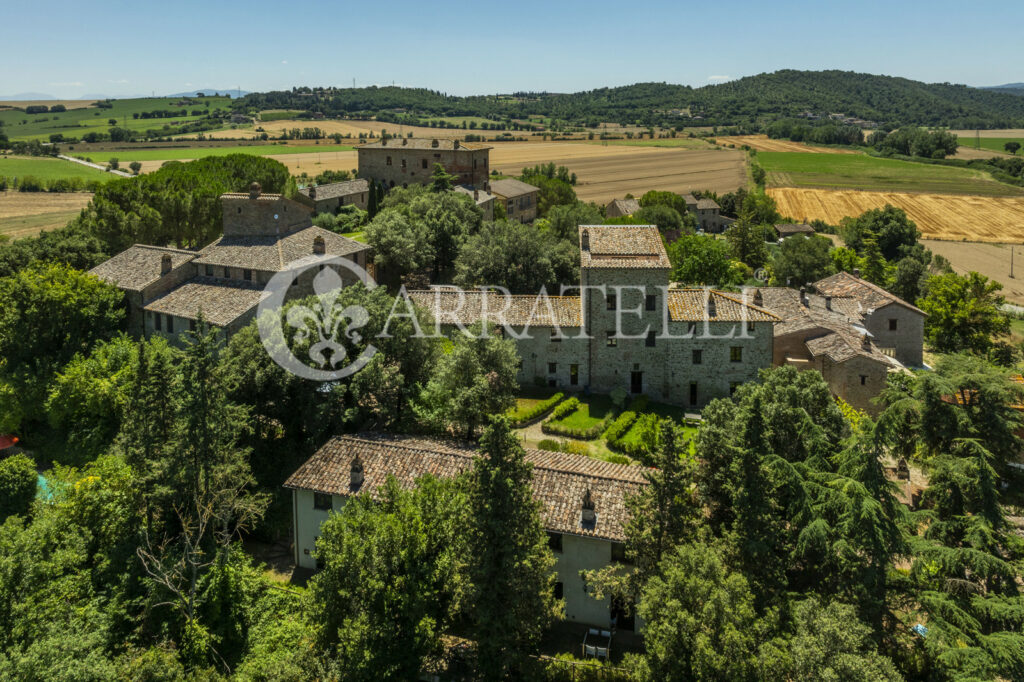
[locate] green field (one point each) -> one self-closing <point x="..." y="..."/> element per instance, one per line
<point x="178" y="153"/>
<point x="677" y="142"/>
<point x="48" y="169"/>
<point x="993" y="143"/>
<point x="860" y="171"/>
<point x="279" y="114"/>
<point x="76" y="122"/>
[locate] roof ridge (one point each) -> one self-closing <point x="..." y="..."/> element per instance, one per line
<point x="163" y="248"/>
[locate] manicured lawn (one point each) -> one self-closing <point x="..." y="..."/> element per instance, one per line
<point x="860" y="171"/>
<point x="48" y="169"/>
<point x="592" y="410"/>
<point x="177" y="153"/>
<point x="992" y="143"/>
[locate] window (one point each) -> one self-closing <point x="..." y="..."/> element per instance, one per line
<point x="612" y="341"/>
<point x="191" y="325"/>
<point x="619" y="553"/>
<point x="698" y="356"/>
<point x="247" y="275"/>
<point x="693" y="393"/>
<point x="574" y="375"/>
<point x="650" y="341"/>
<point x="227" y="272"/>
<point x="403" y="164"/>
<point x="209" y="271"/>
<point x="388" y="162"/>
<point x="157" y="321"/>
<point x="559" y="590"/>
<point x="321" y="501"/>
<point x="863" y="379"/>
<point x="611" y="301"/>
<point x="750" y="327"/>
<point x="423" y="163"/>
<point x="555" y="336"/>
<point x="552" y="367"/>
<point x="170" y="324"/>
<point x="555" y="541"/>
<point x="894" y="324"/>
<point x="736" y="354"/>
<point x="651" y="302"/>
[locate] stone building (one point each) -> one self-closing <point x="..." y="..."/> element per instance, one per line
<point x="783" y="230"/>
<point x="619" y="208"/>
<point x="582" y="503"/>
<point x="827" y="334"/>
<point x="329" y="198"/>
<point x="404" y="161"/>
<point x="896" y="327"/>
<point x="518" y="198"/>
<point x="483" y="199"/>
<point x="627" y="329"/>
<point x="166" y="289"/>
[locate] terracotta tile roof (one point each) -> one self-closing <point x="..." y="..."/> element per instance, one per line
<point x="138" y="266"/>
<point x="871" y="296"/>
<point x="338" y="189"/>
<point x="423" y="143"/>
<point x="221" y="303"/>
<point x="787" y="229"/>
<point x="622" y="246"/>
<point x="559" y="480"/>
<point x="625" y="206"/>
<point x="690" y="199"/>
<point x="510" y="187"/>
<point x="705" y="204"/>
<point x="271" y="253"/>
<point x="690" y="305"/>
<point x="245" y="195"/>
<point x="445" y="308"/>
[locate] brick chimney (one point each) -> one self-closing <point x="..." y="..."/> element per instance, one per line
<point x="585" y="240"/>
<point x="828" y="303"/>
<point x="455" y="144"/>
<point x="476" y="195"/>
<point x="865" y="342"/>
<point x="587" y="514"/>
<point x="758" y="298"/>
<point x="804" y="301"/>
<point x="312" y="192"/>
<point x="255" y="190"/>
<point x="356" y="473"/>
<point x="165" y="263"/>
<point x="856" y="273"/>
<point x="405" y="141"/>
<point x="319" y="246"/>
<point x="383" y="142"/>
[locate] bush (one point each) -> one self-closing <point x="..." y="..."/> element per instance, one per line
<point x="595" y="431"/>
<point x="31" y="183"/>
<point x="17" y="486"/>
<point x="550" y="445"/>
<point x="521" y="418"/>
<point x="565" y="409"/>
<point x="619" y="428"/>
<point x="577" y="448"/>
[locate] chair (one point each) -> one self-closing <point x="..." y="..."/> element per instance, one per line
<point x="602" y="652"/>
<point x="590" y="650"/>
<point x="606" y="633"/>
<point x="593" y="631"/>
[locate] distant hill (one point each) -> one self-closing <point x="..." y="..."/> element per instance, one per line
<point x="750" y="101"/>
<point x="1009" y="88"/>
<point x="210" y="92"/>
<point x="25" y="97"/>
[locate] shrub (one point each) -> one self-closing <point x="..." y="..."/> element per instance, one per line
<point x="595" y="431"/>
<point x="565" y="409"/>
<point x="619" y="428"/>
<point x="550" y="445"/>
<point x="521" y="418"/>
<point x="17" y="485"/>
<point x="577" y="448"/>
<point x="31" y="183"/>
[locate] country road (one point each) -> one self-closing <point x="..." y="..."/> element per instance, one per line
<point x="95" y="165"/>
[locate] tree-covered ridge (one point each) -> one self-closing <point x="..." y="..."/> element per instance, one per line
<point x="886" y="100"/>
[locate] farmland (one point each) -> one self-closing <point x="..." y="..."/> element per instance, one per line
<point x="993" y="144"/>
<point x="991" y="260"/>
<point x="763" y="143"/>
<point x="48" y="169"/>
<point x="938" y="216"/>
<point x="24" y="214"/>
<point x="76" y="122"/>
<point x="863" y="172"/>
<point x="670" y="142"/>
<point x="66" y="103"/>
<point x="191" y="153"/>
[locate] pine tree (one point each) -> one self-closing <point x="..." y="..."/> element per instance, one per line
<point x="511" y="567"/>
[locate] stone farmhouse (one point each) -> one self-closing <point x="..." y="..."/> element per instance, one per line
<point x="520" y="198"/>
<point x="404" y="161"/>
<point x="708" y="214"/>
<point x="627" y="328"/>
<point x="783" y="230"/>
<point x="166" y="289"/>
<point x="329" y="198"/>
<point x="619" y="208"/>
<point x="582" y="503"/>
<point x="484" y="199"/>
<point x="854" y="338"/>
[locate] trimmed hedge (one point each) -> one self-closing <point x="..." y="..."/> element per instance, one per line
<point x="619" y="428"/>
<point x="595" y="431"/>
<point x="565" y="409"/>
<point x="521" y="418"/>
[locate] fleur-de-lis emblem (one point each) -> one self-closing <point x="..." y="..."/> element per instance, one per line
<point x="326" y="323"/>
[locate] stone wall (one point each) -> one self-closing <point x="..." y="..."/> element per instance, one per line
<point x="907" y="339"/>
<point x="856" y="380"/>
<point x="263" y="216"/>
<point x="398" y="166"/>
<point x="522" y="208"/>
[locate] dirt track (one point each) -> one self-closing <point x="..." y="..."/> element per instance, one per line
<point x="938" y="216"/>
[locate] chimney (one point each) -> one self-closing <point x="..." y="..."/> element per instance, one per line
<point x="476" y="195"/>
<point x="312" y="192"/>
<point x="856" y="273"/>
<point x="455" y="144"/>
<point x="383" y="142"/>
<point x="405" y="141"/>
<point x="356" y="473"/>
<point x="585" y="240"/>
<point x="804" y="301"/>
<point x="254" y="190"/>
<point x="865" y="342"/>
<point x="319" y="246"/>
<point x="165" y="263"/>
<point x="758" y="298"/>
<point x="587" y="514"/>
<point x="712" y="307"/>
<point x="828" y="303"/>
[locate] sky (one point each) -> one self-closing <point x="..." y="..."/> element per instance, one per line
<point x="121" y="49"/>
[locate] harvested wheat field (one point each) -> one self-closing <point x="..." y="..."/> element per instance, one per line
<point x="991" y="260"/>
<point x="1000" y="132"/>
<point x="24" y="214"/>
<point x="938" y="216"/>
<point x="763" y="143"/>
<point x="68" y="103"/>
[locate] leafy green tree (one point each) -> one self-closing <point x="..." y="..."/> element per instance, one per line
<point x="400" y="244"/>
<point x="441" y="180"/>
<point x="759" y="209"/>
<point x="801" y="260"/>
<point x="964" y="312"/>
<point x="518" y="257"/>
<point x="1012" y="146"/>
<point x="17" y="485"/>
<point x="564" y="220"/>
<point x="702" y="259"/>
<point x="908" y="279"/>
<point x="553" y="192"/>
<point x="748" y="243"/>
<point x="392" y="579"/>
<point x="895" y="233"/>
<point x="663" y="198"/>
<point x="475" y="376"/>
<point x="510" y="567"/>
<point x="135" y="166"/>
<point x="665" y="217"/>
<point x="875" y="267"/>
